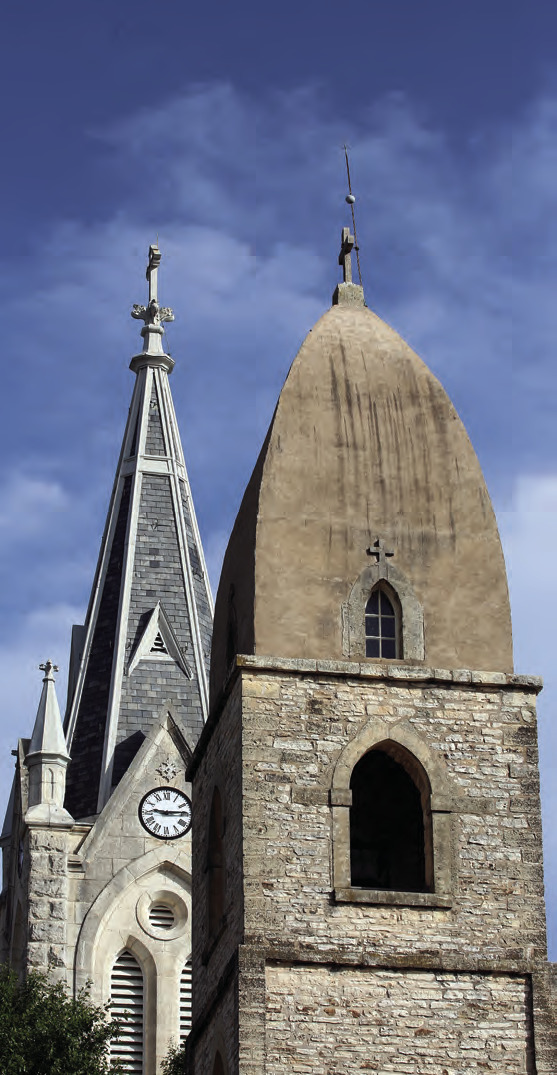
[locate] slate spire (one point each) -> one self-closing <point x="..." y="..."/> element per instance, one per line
<point x="151" y="569"/>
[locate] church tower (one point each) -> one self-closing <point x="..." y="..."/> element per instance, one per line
<point x="97" y="844"/>
<point x="368" y="881"/>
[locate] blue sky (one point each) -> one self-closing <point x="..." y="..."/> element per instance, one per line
<point x="220" y="129"/>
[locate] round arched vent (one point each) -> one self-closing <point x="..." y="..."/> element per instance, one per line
<point x="161" y="916"/>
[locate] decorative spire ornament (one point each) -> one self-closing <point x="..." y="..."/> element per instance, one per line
<point x="47" y="759"/>
<point x="153" y="314"/>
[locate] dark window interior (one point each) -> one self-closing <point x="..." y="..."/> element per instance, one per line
<point x="218" y="1067"/>
<point x="381" y="626"/>
<point x="386" y="826"/>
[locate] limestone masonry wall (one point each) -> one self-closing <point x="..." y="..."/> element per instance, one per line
<point x="221" y="766"/>
<point x="323" y="979"/>
<point x="48" y="904"/>
<point x="323" y="1022"/>
<point x="294" y="729"/>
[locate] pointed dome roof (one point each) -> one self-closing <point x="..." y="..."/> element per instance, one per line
<point x="364" y="444"/>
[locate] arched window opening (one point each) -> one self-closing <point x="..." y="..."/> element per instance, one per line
<point x="390" y="823"/>
<point x="127" y="1004"/>
<point x="218" y="1066"/>
<point x="185" y="1001"/>
<point x="215" y="865"/>
<point x="382" y="625"/>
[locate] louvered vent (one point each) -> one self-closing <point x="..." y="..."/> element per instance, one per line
<point x="126" y="995"/>
<point x="159" y="645"/>
<point x="185" y="1001"/>
<point x="161" y="916"/>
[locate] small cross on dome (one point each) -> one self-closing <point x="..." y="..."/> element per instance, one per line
<point x="380" y="552"/>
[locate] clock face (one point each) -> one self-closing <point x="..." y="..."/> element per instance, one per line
<point x="165" y="813"/>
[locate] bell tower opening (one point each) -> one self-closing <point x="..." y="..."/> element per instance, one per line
<point x="387" y="826"/>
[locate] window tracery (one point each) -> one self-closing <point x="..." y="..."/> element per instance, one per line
<point x="382" y="625"/>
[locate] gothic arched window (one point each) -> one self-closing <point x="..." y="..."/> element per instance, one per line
<point x="127" y="1002"/>
<point x="390" y="823"/>
<point x="218" y="1066"/>
<point x="215" y="865"/>
<point x="382" y="624"/>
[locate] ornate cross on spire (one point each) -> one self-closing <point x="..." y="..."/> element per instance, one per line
<point x="345" y="258"/>
<point x="152" y="272"/>
<point x="48" y="668"/>
<point x="379" y="551"/>
<point x="153" y="314"/>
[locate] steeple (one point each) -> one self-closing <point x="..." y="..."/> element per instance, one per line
<point x="47" y="759"/>
<point x="151" y="570"/>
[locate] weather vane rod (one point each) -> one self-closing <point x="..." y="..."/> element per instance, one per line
<point x="351" y="202"/>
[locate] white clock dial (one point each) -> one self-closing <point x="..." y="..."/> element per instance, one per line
<point x="165" y="813"/>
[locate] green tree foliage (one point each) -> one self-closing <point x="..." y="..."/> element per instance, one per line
<point x="175" y="1061"/>
<point x="43" y="1031"/>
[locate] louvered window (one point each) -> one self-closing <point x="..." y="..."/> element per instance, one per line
<point x="159" y="645"/>
<point x="126" y="995"/>
<point x="161" y="916"/>
<point x="185" y="1001"/>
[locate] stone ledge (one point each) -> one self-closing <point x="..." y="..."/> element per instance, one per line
<point x="443" y="962"/>
<point x="385" y="671"/>
<point x="383" y="897"/>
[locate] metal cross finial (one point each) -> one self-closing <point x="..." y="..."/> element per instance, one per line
<point x="344" y="257"/>
<point x="48" y="668"/>
<point x="379" y="551"/>
<point x="351" y="200"/>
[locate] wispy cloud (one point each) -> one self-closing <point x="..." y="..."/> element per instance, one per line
<point x="28" y="506"/>
<point x="459" y="251"/>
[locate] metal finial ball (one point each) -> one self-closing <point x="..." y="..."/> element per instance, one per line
<point x="350" y="199"/>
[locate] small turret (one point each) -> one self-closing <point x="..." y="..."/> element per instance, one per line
<point x="47" y="759"/>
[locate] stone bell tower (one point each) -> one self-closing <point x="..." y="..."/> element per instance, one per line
<point x="368" y="884"/>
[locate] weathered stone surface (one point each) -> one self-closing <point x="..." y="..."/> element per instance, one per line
<point x="412" y="1023"/>
<point x="364" y="445"/>
<point x="459" y="970"/>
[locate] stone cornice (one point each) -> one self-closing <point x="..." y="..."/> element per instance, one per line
<point x="400" y="673"/>
<point x="388" y="671"/>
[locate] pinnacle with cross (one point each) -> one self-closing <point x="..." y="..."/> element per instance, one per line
<point x="345" y="256"/>
<point x="379" y="551"/>
<point x="153" y="314"/>
<point x="48" y="668"/>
